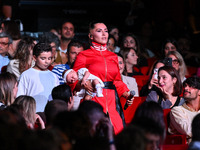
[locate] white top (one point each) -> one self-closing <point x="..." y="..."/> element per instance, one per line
<point x="39" y="85"/>
<point x="81" y="73"/>
<point x="131" y="84"/>
<point x="181" y="119"/>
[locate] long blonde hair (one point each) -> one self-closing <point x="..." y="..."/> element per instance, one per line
<point x="7" y="84"/>
<point x="182" y="67"/>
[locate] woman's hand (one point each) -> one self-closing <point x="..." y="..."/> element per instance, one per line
<point x="39" y="122"/>
<point x="127" y="96"/>
<point x="166" y="94"/>
<point x="88" y="87"/>
<point x="153" y="81"/>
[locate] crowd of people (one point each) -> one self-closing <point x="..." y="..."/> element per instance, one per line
<point x="59" y="93"/>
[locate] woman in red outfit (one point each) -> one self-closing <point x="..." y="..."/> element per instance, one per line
<point x="104" y="64"/>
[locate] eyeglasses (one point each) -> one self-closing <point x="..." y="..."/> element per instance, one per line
<point x="4" y="43"/>
<point x="175" y="61"/>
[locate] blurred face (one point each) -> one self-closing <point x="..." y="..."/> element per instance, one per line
<point x="175" y="62"/>
<point x="43" y="61"/>
<point x="169" y="47"/>
<point x="190" y="93"/>
<point x="129" y="42"/>
<point x="99" y="34"/>
<point x="72" y="77"/>
<point x="111" y="44"/>
<point x="132" y="57"/>
<point x="53" y="46"/>
<point x="4" y="46"/>
<point x="74" y="52"/>
<point x="153" y="141"/>
<point x="121" y="64"/>
<point x="67" y="31"/>
<point x="115" y="33"/>
<point x="166" y="81"/>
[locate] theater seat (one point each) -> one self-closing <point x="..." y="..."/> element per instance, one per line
<point x="130" y="111"/>
<point x="175" y="139"/>
<point x="141" y="80"/>
<point x="175" y="147"/>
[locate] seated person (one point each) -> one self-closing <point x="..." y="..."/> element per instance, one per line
<point x="181" y="116"/>
<point x="170" y="87"/>
<point x="70" y="76"/>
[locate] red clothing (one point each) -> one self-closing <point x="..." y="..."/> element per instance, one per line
<point x="104" y="64"/>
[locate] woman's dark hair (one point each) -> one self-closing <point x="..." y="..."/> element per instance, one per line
<point x="168" y="40"/>
<point x="62" y="92"/>
<point x="174" y="74"/>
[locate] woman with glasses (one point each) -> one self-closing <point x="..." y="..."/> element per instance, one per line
<point x="178" y="63"/>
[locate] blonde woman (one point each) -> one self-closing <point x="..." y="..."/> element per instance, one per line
<point x="178" y="63"/>
<point x="8" y="89"/>
<point x="29" y="111"/>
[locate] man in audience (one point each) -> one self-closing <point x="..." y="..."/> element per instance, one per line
<point x="181" y="116"/>
<point x="5" y="45"/>
<point x="74" y="48"/>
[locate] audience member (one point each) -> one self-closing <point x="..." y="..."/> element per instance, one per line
<point x="53" y="40"/>
<point x="67" y="34"/>
<point x="170" y="86"/>
<point x="63" y="92"/>
<point x="195" y="144"/>
<point x="129" y="81"/>
<point x="169" y="44"/>
<point x="178" y="63"/>
<point x="131" y="60"/>
<point x="12" y="28"/>
<point x="52" y="109"/>
<point x="111" y="43"/>
<point x="38" y="81"/>
<point x="8" y="89"/>
<point x="5" y="46"/>
<point x="23" y="58"/>
<point x="131" y="138"/>
<point x="181" y="116"/>
<point x="153" y="79"/>
<point x="29" y="111"/>
<point x="74" y="48"/>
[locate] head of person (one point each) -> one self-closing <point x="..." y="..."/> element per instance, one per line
<point x="67" y="30"/>
<point x="122" y="68"/>
<point x="63" y="92"/>
<point x="8" y="88"/>
<point x="114" y="31"/>
<point x="153" y="111"/>
<point x="98" y="32"/>
<point x="12" y="28"/>
<point x="177" y="62"/>
<point x="24" y="52"/>
<point x="28" y="107"/>
<point x="131" y="41"/>
<point x="52" y="39"/>
<point x="195" y="128"/>
<point x="42" y="55"/>
<point x="5" y="43"/>
<point x="156" y="66"/>
<point x="70" y="76"/>
<point x="130" y="56"/>
<point x="191" y="88"/>
<point x="169" y="80"/>
<point x="94" y="111"/>
<point x="74" y="48"/>
<point x="54" y="107"/>
<point x="111" y="43"/>
<point x="170" y="44"/>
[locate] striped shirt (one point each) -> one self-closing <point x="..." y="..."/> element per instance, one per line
<point x="59" y="69"/>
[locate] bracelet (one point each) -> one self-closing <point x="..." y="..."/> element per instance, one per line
<point x="111" y="142"/>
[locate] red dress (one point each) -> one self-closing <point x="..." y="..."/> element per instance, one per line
<point x="104" y="64"/>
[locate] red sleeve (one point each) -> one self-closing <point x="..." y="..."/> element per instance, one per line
<point x="80" y="62"/>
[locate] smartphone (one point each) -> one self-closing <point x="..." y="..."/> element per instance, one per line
<point x="168" y="61"/>
<point x="155" y="71"/>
